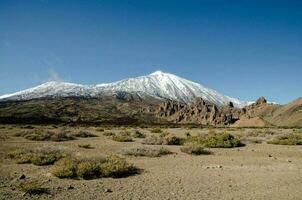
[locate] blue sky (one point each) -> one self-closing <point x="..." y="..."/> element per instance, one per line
<point x="244" y="49"/>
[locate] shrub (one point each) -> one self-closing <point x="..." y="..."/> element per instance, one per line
<point x="65" y="168"/>
<point x="287" y="139"/>
<point x="36" y="157"/>
<point x="38" y="135"/>
<point x="123" y="137"/>
<point x="116" y="167"/>
<point x="138" y="134"/>
<point x="112" y="166"/>
<point x="85" y="146"/>
<point x="195" y="149"/>
<point x="45" y="158"/>
<point x="20" y="156"/>
<point x="108" y="134"/>
<point x="222" y="140"/>
<point x="173" y="140"/>
<point x="153" y="140"/>
<point x="32" y="187"/>
<point x="88" y="169"/>
<point x="156" y="130"/>
<point x="164" y="134"/>
<point x="84" y="134"/>
<point x="216" y="140"/>
<point x="146" y="151"/>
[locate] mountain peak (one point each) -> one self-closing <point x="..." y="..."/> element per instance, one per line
<point x="158" y="84"/>
<point x="158" y="72"/>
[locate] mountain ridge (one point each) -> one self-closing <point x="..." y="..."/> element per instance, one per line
<point x="157" y="84"/>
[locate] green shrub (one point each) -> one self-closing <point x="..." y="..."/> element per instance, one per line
<point x="116" y="167"/>
<point x="32" y="187"/>
<point x="112" y="166"/>
<point x="88" y="169"/>
<point x="65" y="168"/>
<point x="138" y="134"/>
<point x="36" y="157"/>
<point x="156" y="130"/>
<point x="153" y="140"/>
<point x="84" y="134"/>
<point x="216" y="140"/>
<point x="146" y="151"/>
<point x="222" y="140"/>
<point x="20" y="156"/>
<point x="123" y="137"/>
<point x="195" y="149"/>
<point x="173" y="140"/>
<point x="40" y="135"/>
<point x="287" y="139"/>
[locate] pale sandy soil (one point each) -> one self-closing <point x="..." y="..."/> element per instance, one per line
<point x="256" y="171"/>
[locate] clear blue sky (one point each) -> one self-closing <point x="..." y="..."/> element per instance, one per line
<point x="243" y="49"/>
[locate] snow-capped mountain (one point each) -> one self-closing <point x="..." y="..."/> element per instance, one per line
<point x="158" y="84"/>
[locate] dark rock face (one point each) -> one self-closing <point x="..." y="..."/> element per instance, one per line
<point x="199" y="111"/>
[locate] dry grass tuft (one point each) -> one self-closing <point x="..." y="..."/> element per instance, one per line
<point x="124" y="136"/>
<point x="37" y="157"/>
<point x="153" y="140"/>
<point x="146" y="151"/>
<point x="287" y="139"/>
<point x="84" y="134"/>
<point x="138" y="134"/>
<point x="33" y="188"/>
<point x="195" y="149"/>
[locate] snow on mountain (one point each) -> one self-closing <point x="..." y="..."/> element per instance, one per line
<point x="158" y="84"/>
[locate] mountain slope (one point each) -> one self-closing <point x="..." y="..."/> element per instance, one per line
<point x="158" y="84"/>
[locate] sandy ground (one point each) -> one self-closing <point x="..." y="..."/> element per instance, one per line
<point x="255" y="171"/>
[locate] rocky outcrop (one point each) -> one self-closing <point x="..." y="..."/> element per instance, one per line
<point x="200" y="111"/>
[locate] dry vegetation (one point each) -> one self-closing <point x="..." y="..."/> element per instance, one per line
<point x="37" y="157"/>
<point x="195" y="149"/>
<point x="287" y="139"/>
<point x="146" y="151"/>
<point x="75" y="163"/>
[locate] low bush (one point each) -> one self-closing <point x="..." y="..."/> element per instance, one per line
<point x="84" y="134"/>
<point x="287" y="139"/>
<point x="146" y="151"/>
<point x="123" y="137"/>
<point x="112" y="166"/>
<point x="138" y="134"/>
<point x="156" y="130"/>
<point x="37" y="157"/>
<point x="195" y="149"/>
<point x="65" y="168"/>
<point x="42" y="135"/>
<point x="173" y="140"/>
<point x="164" y="134"/>
<point x="222" y="140"/>
<point x="216" y="140"/>
<point x="32" y="187"/>
<point x="108" y="134"/>
<point x="117" y="167"/>
<point x="153" y="140"/>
